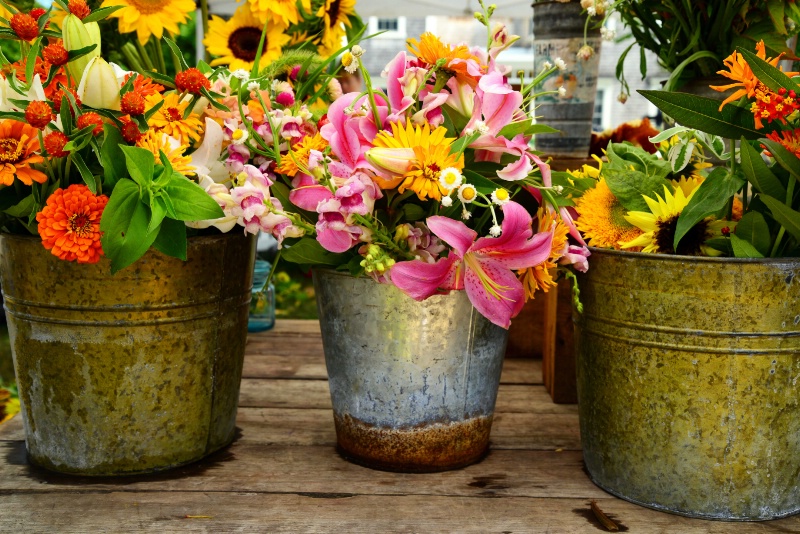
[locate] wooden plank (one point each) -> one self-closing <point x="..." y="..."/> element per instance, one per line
<point x="334" y="512"/>
<point x="264" y="362"/>
<point x="12" y="429"/>
<point x="558" y="354"/>
<point x="274" y="393"/>
<point x="287" y="469"/>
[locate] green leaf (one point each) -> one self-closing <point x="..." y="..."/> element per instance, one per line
<point x="140" y="164"/>
<point x="413" y="212"/>
<point x="784" y="215"/>
<point x="171" y="239"/>
<point x="526" y="127"/>
<point x="713" y="195"/>
<point x="100" y="13"/>
<point x="124" y="225"/>
<point x="758" y="173"/>
<point x="23" y="208"/>
<point x="177" y="51"/>
<point x="31" y="62"/>
<point x="631" y="186"/>
<point x="785" y="159"/>
<point x="623" y="156"/>
<point x="111" y="156"/>
<point x="86" y="174"/>
<point x="158" y="210"/>
<point x="754" y="229"/>
<point x="767" y="74"/>
<point x="481" y="183"/>
<point x="743" y="249"/>
<point x="308" y="251"/>
<point x="703" y="114"/>
<point x="723" y="244"/>
<point x="80" y="52"/>
<point x="190" y="201"/>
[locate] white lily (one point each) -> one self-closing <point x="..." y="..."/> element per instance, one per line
<point x="99" y="87"/>
<point x="211" y="174"/>
<point x="34" y="92"/>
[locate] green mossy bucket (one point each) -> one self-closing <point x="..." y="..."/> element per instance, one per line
<point x="132" y="373"/>
<point x="687" y="382"/>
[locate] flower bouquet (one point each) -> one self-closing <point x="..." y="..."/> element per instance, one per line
<point x="687" y="349"/>
<point x="421" y="190"/>
<point x="138" y="371"/>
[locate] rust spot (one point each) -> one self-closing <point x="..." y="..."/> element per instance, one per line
<point x="422" y="449"/>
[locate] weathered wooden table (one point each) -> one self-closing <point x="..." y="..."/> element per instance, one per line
<point x="283" y="474"/>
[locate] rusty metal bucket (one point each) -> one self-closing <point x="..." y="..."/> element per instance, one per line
<point x="131" y="373"/>
<point x="687" y="383"/>
<point x="413" y="384"/>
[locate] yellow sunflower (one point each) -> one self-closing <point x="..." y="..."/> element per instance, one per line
<point x="235" y="41"/>
<point x="658" y="227"/>
<point x="283" y="10"/>
<point x="9" y="406"/>
<point x="297" y="158"/>
<point x="157" y="141"/>
<point x="151" y="17"/>
<point x="413" y="157"/>
<point x="169" y="118"/>
<point x="541" y="276"/>
<point x="335" y="15"/>
<point x="601" y="218"/>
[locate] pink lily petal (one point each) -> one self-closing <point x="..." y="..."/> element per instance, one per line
<point x="515" y="249"/>
<point x="517" y="170"/>
<point x="504" y="282"/>
<point x="568" y="215"/>
<point x="419" y="280"/>
<point x="544" y="168"/>
<point x="454" y="233"/>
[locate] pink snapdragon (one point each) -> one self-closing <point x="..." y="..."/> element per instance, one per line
<point x="484" y="267"/>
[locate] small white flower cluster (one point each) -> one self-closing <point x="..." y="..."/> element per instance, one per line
<point x="596" y="7"/>
<point x="560" y="63"/>
<point x="607" y="34"/>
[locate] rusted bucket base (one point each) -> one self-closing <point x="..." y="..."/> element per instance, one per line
<point x="116" y="469"/>
<point x="717" y="517"/>
<point x="427" y="449"/>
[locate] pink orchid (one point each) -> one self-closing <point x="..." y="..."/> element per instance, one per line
<point x="484" y="267"/>
<point x="431" y="110"/>
<point x="578" y="257"/>
<point x="336" y="231"/>
<point x="250" y="207"/>
<point x="401" y="84"/>
<point x="491" y="148"/>
<point x="461" y="98"/>
<point x="496" y="102"/>
<point x="280" y="226"/>
<point x="307" y="192"/>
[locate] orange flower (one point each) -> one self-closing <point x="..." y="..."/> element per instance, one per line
<point x="143" y="85"/>
<point x="297" y="158"/>
<point x="191" y="81"/>
<point x="540" y="276"/>
<point x="91" y="118"/>
<point x="790" y="140"/>
<point x="771" y="106"/>
<point x="69" y="224"/>
<point x="54" y="144"/>
<point x="39" y="114"/>
<point x="79" y="8"/>
<point x="18" y="144"/>
<point x="55" y="53"/>
<point x="24" y="26"/>
<point x="430" y="50"/>
<point x="42" y="68"/>
<point x="740" y="72"/>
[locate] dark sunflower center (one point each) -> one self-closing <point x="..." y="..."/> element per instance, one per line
<point x="80" y="224"/>
<point x="10" y="150"/>
<point x="333" y="13"/>
<point x="243" y="43"/>
<point x="690" y="243"/>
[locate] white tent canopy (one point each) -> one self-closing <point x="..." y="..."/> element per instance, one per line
<point x="411" y="8"/>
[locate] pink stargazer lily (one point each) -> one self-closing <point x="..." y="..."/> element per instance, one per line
<point x="484" y="267"/>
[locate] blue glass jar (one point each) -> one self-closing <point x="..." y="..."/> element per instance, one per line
<point x="262" y="301"/>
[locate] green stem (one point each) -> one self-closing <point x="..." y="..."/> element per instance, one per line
<point x="67" y="169"/>
<point x="789" y="197"/>
<point x="370" y="92"/>
<point x="384" y="238"/>
<point x="272" y="269"/>
<point x="162" y="66"/>
<point x="130" y="53"/>
<point x="143" y="55"/>
<point x="47" y="163"/>
<point x="204" y="22"/>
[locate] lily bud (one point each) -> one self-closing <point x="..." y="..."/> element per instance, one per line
<point x="99" y="87"/>
<point x="78" y="35"/>
<point x="391" y="160"/>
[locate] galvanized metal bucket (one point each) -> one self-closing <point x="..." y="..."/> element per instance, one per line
<point x="131" y="373"/>
<point x="687" y="382"/>
<point x="413" y="384"/>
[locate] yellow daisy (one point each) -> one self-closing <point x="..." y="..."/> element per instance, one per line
<point x="335" y="15"/>
<point x="283" y="10"/>
<point x="151" y="17"/>
<point x="169" y="118"/>
<point x="157" y="141"/>
<point x="601" y="218"/>
<point x="235" y="41"/>
<point x="9" y="406"/>
<point x="423" y="155"/>
<point x="658" y="227"/>
<point x="541" y="276"/>
<point x="296" y="160"/>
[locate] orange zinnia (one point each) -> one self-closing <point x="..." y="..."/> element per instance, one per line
<point x="69" y="224"/>
<point x="18" y="144"/>
<point x="740" y="72"/>
<point x="540" y="276"/>
<point x="430" y="50"/>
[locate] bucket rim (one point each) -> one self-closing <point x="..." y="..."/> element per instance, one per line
<point x="684" y="259"/>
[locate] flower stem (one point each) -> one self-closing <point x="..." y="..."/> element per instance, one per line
<point x="384" y="238"/>
<point x="162" y="67"/>
<point x="779" y="238"/>
<point x="371" y="93"/>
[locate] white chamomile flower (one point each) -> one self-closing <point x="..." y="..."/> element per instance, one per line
<point x="357" y="51"/>
<point x="560" y="63"/>
<point x="466" y="215"/>
<point x="547" y="65"/>
<point x="447" y="202"/>
<point x="467" y="193"/>
<point x="450" y="178"/>
<point x="495" y="230"/>
<point x="239" y="136"/>
<point x="350" y="62"/>
<point x="558" y="189"/>
<point x="500" y="196"/>
<point x="606" y="34"/>
<point x="253" y="87"/>
<point x="562" y="91"/>
<point x="482" y="128"/>
<point x="591" y="11"/>
<point x="241" y="74"/>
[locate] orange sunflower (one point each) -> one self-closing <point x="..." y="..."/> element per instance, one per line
<point x="741" y="73"/>
<point x="69" y="224"/>
<point x="169" y="118"/>
<point x="18" y="147"/>
<point x="431" y="49"/>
